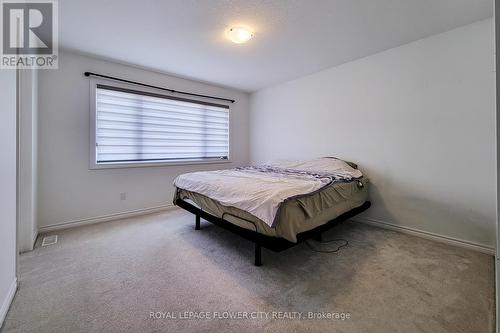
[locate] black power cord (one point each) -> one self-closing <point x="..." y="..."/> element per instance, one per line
<point x="344" y="241"/>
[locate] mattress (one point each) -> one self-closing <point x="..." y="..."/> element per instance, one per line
<point x="296" y="215"/>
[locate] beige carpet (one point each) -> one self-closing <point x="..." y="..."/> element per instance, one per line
<point x="109" y="277"/>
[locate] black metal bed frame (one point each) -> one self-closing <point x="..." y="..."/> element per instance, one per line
<point x="275" y="244"/>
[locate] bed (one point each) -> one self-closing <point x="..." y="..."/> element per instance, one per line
<point x="275" y="205"/>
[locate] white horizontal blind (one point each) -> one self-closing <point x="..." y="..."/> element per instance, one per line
<point x="140" y="127"/>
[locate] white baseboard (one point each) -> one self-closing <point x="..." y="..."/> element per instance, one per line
<point x="374" y="222"/>
<point x="35" y="236"/>
<point x="8" y="301"/>
<point x="427" y="235"/>
<point x="32" y="244"/>
<point x="103" y="218"/>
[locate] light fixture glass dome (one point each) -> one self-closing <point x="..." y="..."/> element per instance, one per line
<point x="239" y="34"/>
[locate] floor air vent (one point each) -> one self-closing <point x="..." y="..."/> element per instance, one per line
<point x="49" y="240"/>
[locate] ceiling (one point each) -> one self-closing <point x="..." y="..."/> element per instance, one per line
<point x="292" y="37"/>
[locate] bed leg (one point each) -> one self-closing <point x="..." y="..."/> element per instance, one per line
<point x="258" y="254"/>
<point x="197" y="227"/>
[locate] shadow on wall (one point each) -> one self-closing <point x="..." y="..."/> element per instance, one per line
<point x="433" y="215"/>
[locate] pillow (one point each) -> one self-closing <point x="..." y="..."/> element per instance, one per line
<point x="352" y="164"/>
<point x="322" y="165"/>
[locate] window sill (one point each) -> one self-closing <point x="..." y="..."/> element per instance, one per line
<point x="125" y="165"/>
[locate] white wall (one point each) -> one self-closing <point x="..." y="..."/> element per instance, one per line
<point x="496" y="20"/>
<point x="68" y="190"/>
<point x="7" y="189"/>
<point x="419" y="119"/>
<point x="28" y="181"/>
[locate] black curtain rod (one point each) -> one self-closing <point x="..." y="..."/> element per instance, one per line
<point x="161" y="88"/>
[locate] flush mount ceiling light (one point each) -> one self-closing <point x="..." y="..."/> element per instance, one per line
<point x="239" y="34"/>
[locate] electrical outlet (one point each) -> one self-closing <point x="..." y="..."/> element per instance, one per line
<point x="123" y="196"/>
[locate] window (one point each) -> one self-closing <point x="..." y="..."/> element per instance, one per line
<point x="142" y="128"/>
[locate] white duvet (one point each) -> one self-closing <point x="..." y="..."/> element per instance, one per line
<point x="261" y="192"/>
